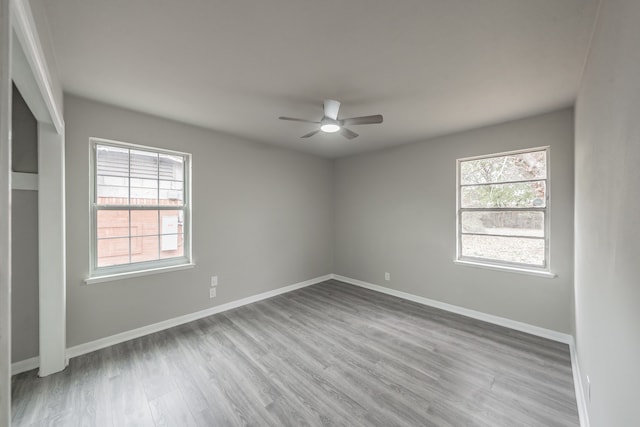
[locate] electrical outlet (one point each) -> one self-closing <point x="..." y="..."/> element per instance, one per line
<point x="588" y="389"/>
<point x="387" y="276"/>
<point x="214" y="280"/>
<point x="212" y="292"/>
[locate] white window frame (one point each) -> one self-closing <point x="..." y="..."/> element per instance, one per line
<point x="544" y="270"/>
<point x="121" y="271"/>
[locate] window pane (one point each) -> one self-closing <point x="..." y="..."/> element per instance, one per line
<point x="171" y="222"/>
<point x="171" y="167"/>
<point x="112" y="224"/>
<point x="144" y="191"/>
<point x="171" y="245"/>
<point x="171" y="193"/>
<point x="515" y="167"/>
<point x="509" y="249"/>
<point x="144" y="164"/>
<point x="113" y="251"/>
<point x="514" y="195"/>
<point x="509" y="223"/>
<point x="144" y="223"/>
<point x="112" y="161"/>
<point x="144" y="248"/>
<point x="147" y="188"/>
<point x="177" y="213"/>
<point x="112" y="190"/>
<point x="172" y="237"/>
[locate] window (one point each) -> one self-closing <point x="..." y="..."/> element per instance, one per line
<point x="140" y="208"/>
<point x="503" y="209"/>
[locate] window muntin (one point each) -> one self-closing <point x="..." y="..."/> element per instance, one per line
<point x="140" y="208"/>
<point x="502" y="213"/>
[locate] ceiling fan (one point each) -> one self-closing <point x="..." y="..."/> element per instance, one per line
<point x="330" y="123"/>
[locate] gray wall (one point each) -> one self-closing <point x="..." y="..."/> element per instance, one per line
<point x="24" y="230"/>
<point x="262" y="219"/>
<point x="24" y="283"/>
<point x="395" y="212"/>
<point x="24" y="128"/>
<point x="608" y="217"/>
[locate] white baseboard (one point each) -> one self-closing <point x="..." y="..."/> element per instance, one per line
<point x="170" y="323"/>
<point x="490" y="318"/>
<point x="512" y="324"/>
<point x="577" y="382"/>
<point x="33" y="363"/>
<point x="25" y="365"/>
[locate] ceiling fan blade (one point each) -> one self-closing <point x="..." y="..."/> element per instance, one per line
<point x="310" y="134"/>
<point x="349" y="134"/>
<point x="364" y="120"/>
<point x="293" y="119"/>
<point x="331" y="108"/>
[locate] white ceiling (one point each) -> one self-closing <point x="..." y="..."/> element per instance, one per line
<point x="431" y="67"/>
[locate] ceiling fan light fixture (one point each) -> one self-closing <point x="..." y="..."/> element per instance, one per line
<point x="329" y="128"/>
<point x="330" y="123"/>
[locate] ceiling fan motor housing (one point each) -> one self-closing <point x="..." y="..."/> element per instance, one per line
<point x="328" y="121"/>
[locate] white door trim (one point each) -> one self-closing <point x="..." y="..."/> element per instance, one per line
<point x="33" y="79"/>
<point x="27" y="34"/>
<point x="51" y="250"/>
<point x="5" y="213"/>
<point x="24" y="181"/>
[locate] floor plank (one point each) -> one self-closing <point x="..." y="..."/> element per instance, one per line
<point x="328" y="354"/>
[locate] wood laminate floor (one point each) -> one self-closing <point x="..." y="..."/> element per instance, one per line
<point x="328" y="354"/>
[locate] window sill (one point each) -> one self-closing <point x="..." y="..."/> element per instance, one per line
<point x="138" y="273"/>
<point x="519" y="270"/>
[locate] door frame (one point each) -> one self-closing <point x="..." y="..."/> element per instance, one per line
<point x="33" y="77"/>
<point x="5" y="213"/>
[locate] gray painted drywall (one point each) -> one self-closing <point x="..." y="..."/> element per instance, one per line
<point x="395" y="212"/>
<point x="607" y="220"/>
<point x="24" y="272"/>
<point x="24" y="128"/>
<point x="262" y="219"/>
